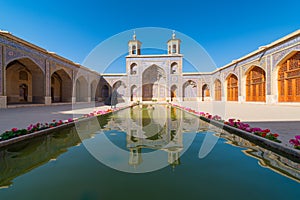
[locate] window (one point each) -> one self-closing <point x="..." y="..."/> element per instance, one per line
<point x="289" y="80"/>
<point x="23" y="76"/>
<point x="232" y="88"/>
<point x="218" y="90"/>
<point x="255" y="85"/>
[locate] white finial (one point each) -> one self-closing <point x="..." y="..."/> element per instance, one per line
<point x="173" y="35"/>
<point x="134" y="35"/>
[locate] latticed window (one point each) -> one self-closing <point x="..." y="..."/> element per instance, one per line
<point x="289" y="80"/>
<point x="255" y="85"/>
<point x="218" y="90"/>
<point x="232" y="88"/>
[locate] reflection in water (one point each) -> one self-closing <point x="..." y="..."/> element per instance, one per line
<point x="154" y="127"/>
<point x="266" y="158"/>
<point x="147" y="128"/>
<point x="25" y="156"/>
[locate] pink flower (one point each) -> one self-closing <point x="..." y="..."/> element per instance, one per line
<point x="248" y="129"/>
<point x="297" y="137"/>
<point x="70" y="120"/>
<point x="255" y="129"/>
<point x="294" y="142"/>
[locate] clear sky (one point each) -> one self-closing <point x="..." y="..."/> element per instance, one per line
<point x="226" y="29"/>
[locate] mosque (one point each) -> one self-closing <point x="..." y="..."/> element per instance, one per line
<point x="30" y="74"/>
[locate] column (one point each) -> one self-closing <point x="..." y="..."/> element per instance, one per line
<point x="3" y="100"/>
<point x="74" y="87"/>
<point x="89" y="89"/>
<point x="47" y="83"/>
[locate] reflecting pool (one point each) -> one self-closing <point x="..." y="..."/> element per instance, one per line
<point x="184" y="157"/>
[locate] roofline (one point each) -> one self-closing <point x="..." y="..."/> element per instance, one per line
<point x="260" y="50"/>
<point x="40" y="49"/>
<point x="234" y="62"/>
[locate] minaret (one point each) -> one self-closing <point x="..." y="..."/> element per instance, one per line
<point x="174" y="45"/>
<point x="134" y="46"/>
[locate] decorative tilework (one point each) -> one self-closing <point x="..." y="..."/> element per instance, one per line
<point x="280" y="55"/>
<point x="269" y="74"/>
<point x="1" y="72"/>
<point x="48" y="79"/>
<point x="284" y="45"/>
<point x="12" y="54"/>
<point x="262" y="62"/>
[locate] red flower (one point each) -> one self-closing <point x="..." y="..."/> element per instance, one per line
<point x="275" y="135"/>
<point x="14" y="129"/>
<point x="264" y="134"/>
<point x="266" y="131"/>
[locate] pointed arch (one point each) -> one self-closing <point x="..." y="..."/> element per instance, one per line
<point x="189" y="90"/>
<point x="205" y="92"/>
<point x="218" y="90"/>
<point x="288" y="77"/>
<point x="93" y="87"/>
<point x="173" y="92"/>
<point x="81" y="89"/>
<point x="174" y="68"/>
<point x="133" y="69"/>
<point x="25" y="82"/>
<point x="256" y="84"/>
<point x="153" y="83"/>
<point x="232" y="87"/>
<point x="61" y="86"/>
<point x="133" y="93"/>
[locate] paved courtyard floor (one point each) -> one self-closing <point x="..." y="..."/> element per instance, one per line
<point x="281" y="119"/>
<point x="21" y="117"/>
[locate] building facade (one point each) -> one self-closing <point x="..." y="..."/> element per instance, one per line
<point x="30" y="74"/>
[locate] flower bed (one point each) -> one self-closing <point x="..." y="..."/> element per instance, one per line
<point x="265" y="133"/>
<point x="295" y="142"/>
<point x="32" y="128"/>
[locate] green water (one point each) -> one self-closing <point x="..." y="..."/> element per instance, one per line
<point x="58" y="166"/>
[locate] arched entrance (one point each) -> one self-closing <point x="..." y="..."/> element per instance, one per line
<point x="205" y="92"/>
<point x="173" y="92"/>
<point x="104" y="92"/>
<point x="61" y="86"/>
<point x="119" y="92"/>
<point x="24" y="82"/>
<point x="81" y="89"/>
<point x="133" y="93"/>
<point x="289" y="80"/>
<point x="94" y="86"/>
<point x="255" y="85"/>
<point x="133" y="69"/>
<point x="218" y="90"/>
<point x="56" y="88"/>
<point x="232" y="88"/>
<point x="190" y="91"/>
<point x="23" y="93"/>
<point x="154" y="80"/>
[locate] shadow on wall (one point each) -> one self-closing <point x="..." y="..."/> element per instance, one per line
<point x="114" y="99"/>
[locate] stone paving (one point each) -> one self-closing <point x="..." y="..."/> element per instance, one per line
<point x="21" y="117"/>
<point x="281" y="119"/>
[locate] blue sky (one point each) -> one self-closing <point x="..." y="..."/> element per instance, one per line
<point x="226" y="29"/>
